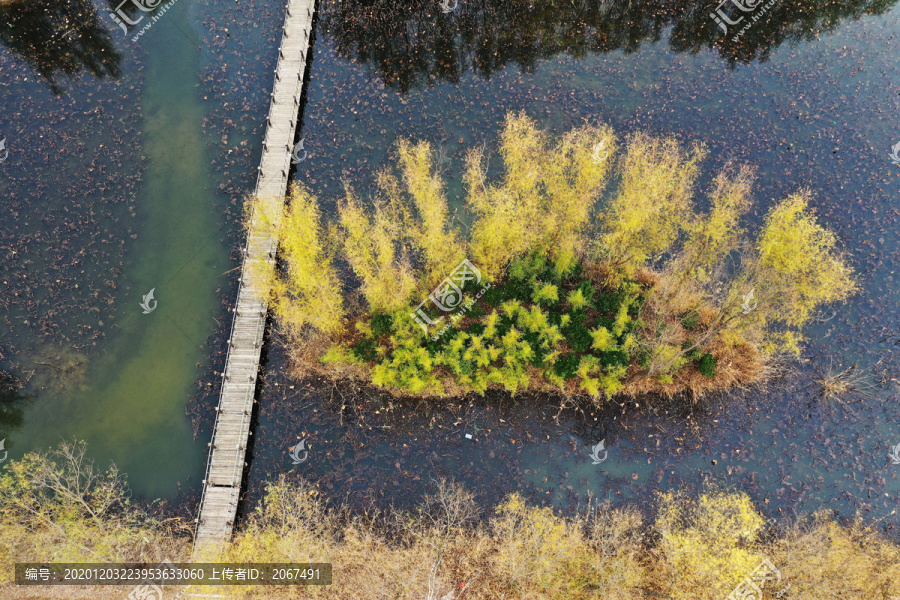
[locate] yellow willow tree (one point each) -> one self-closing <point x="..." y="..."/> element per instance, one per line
<point x="793" y="268"/>
<point x="797" y="268"/>
<point x="422" y="211"/>
<point x="371" y="246"/>
<point x="308" y="292"/>
<point x="545" y="198"/>
<point x="653" y="204"/>
<point x="710" y="543"/>
<point x="713" y="236"/>
<point x="694" y="277"/>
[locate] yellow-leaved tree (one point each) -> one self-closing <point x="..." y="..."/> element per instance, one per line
<point x="545" y="198"/>
<point x="653" y="204"/>
<point x="371" y="246"/>
<point x="798" y="268"/>
<point x="423" y="212"/>
<point x="711" y="543"/>
<point x="308" y="292"/>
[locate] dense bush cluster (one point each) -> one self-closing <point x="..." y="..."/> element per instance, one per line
<point x="643" y="293"/>
<point x="535" y="321"/>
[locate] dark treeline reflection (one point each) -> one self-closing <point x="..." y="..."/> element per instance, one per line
<point x="11" y="403"/>
<point x="413" y="42"/>
<point x="59" y="37"/>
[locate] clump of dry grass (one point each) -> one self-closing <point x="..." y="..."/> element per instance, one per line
<point x="845" y="386"/>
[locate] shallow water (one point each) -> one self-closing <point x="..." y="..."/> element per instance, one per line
<point x="157" y="210"/>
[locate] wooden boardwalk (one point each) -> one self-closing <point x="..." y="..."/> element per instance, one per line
<point x="225" y="465"/>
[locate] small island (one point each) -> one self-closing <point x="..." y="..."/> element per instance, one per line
<point x="588" y="266"/>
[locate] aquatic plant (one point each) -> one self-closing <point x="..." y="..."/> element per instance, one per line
<point x="845" y="386"/>
<point x="645" y="293"/>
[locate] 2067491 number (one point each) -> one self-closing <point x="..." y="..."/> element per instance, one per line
<point x="295" y="574"/>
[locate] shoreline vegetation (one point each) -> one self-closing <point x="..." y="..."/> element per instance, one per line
<point x="540" y="286"/>
<point x="59" y="507"/>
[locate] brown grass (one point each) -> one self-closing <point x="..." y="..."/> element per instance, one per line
<point x="692" y="550"/>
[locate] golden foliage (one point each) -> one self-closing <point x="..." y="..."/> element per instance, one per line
<point x="309" y="292"/>
<point x="714" y="235"/>
<point x="531" y="227"/>
<point x="371" y="247"/>
<point x="429" y="229"/>
<point x="825" y="560"/>
<point x="653" y="204"/>
<point x="711" y="543"/>
<point x="545" y="198"/>
<point x="800" y="266"/>
<point x="60" y="507"/>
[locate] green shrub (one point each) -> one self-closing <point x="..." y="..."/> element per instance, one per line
<point x="567" y="365"/>
<point x="707" y="365"/>
<point x="578" y="336"/>
<point x="544" y="293"/>
<point x="381" y="324"/>
<point x="366" y="349"/>
<point x="690" y="319"/>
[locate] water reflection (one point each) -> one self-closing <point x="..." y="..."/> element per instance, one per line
<point x="413" y="43"/>
<point x="11" y="404"/>
<point x="59" y="37"/>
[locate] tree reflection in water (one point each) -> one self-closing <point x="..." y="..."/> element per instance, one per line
<point x="412" y="42"/>
<point x="57" y="37"/>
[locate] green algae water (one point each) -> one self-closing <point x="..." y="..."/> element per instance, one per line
<point x="126" y="395"/>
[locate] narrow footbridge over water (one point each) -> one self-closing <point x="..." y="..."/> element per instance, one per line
<point x="225" y="466"/>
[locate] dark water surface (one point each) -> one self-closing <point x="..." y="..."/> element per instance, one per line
<point x="129" y="160"/>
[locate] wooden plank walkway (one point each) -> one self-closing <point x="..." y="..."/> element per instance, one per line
<point x="225" y="465"/>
